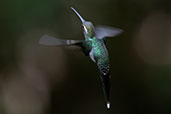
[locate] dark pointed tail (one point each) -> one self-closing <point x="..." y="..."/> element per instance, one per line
<point x="105" y="77"/>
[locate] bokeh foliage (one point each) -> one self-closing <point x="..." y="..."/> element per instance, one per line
<point x="67" y="81"/>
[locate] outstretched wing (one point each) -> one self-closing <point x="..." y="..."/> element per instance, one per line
<point x="52" y="41"/>
<point x="105" y="77"/>
<point x="75" y="45"/>
<point x="106" y="31"/>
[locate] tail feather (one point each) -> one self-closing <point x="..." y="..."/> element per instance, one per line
<point x="105" y="77"/>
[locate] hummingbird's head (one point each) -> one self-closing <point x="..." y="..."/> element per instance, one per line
<point x="88" y="27"/>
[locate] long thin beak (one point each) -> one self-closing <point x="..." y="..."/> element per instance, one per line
<point x="82" y="20"/>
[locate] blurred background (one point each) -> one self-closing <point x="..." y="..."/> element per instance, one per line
<point x="36" y="79"/>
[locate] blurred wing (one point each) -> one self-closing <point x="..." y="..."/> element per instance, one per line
<point x="106" y="31"/>
<point x="105" y="77"/>
<point x="73" y="45"/>
<point x="52" y="41"/>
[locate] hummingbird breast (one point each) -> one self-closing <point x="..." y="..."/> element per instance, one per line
<point x="99" y="50"/>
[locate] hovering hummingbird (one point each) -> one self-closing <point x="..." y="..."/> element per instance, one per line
<point x="93" y="46"/>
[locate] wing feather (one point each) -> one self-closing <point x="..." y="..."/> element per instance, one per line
<point x="107" y="31"/>
<point x="52" y="41"/>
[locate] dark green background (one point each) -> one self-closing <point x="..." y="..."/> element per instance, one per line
<point x="67" y="81"/>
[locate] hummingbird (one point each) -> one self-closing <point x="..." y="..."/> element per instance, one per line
<point x="94" y="46"/>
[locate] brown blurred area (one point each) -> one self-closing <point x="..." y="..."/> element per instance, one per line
<point x="35" y="79"/>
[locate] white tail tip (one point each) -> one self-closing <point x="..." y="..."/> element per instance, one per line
<point x="108" y="105"/>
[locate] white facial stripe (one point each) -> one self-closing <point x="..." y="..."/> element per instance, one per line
<point x="85" y="29"/>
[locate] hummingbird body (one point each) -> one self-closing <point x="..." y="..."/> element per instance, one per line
<point x="99" y="49"/>
<point x="99" y="55"/>
<point x="93" y="46"/>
